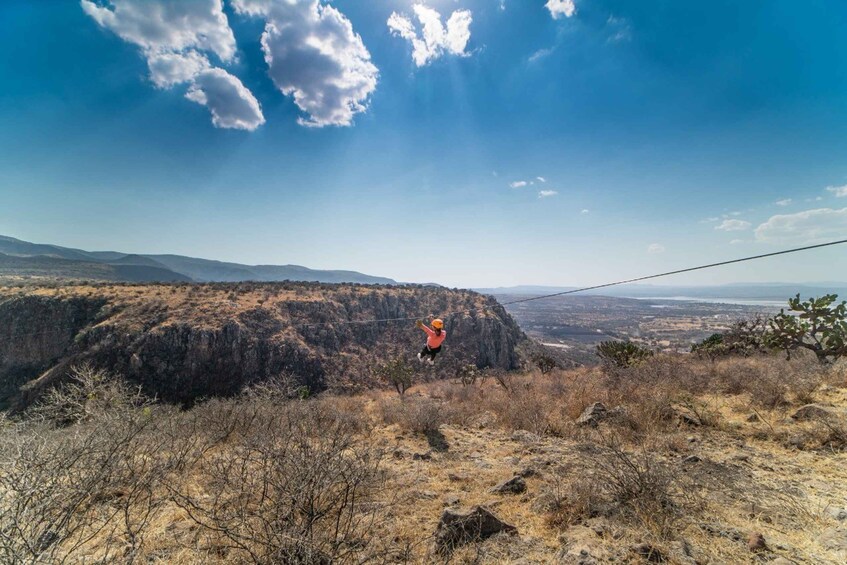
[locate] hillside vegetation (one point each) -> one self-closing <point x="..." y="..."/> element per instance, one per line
<point x="675" y="460"/>
<point x="182" y="342"/>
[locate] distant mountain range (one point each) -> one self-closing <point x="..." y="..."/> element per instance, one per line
<point x="743" y="291"/>
<point x="22" y="258"/>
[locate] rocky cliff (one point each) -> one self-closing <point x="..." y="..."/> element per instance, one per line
<point x="182" y="342"/>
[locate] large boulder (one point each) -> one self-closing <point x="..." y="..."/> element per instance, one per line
<point x="459" y="527"/>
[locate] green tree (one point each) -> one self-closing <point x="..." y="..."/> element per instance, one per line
<point x="467" y="374"/>
<point x="745" y="337"/>
<point x="622" y="354"/>
<point x="545" y="363"/>
<point x="398" y="373"/>
<point x="818" y="324"/>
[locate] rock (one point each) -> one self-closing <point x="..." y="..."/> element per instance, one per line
<point x="592" y="415"/>
<point x="451" y="500"/>
<point x="756" y="542"/>
<point x="834" y="539"/>
<point x="648" y="552"/>
<point x="527" y="472"/>
<point x="782" y="561"/>
<point x="422" y="456"/>
<point x="458" y="527"/>
<point x="719" y="531"/>
<point x="457" y="477"/>
<point x="816" y="412"/>
<point x="839" y="514"/>
<point x="691" y="459"/>
<point x="752" y="418"/>
<point x="544" y="502"/>
<point x="515" y="485"/>
<point x="692" y="439"/>
<point x="426" y="494"/>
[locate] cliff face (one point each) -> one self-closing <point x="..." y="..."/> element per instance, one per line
<point x="184" y="342"/>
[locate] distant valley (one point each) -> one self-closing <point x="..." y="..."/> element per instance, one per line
<point x="742" y="292"/>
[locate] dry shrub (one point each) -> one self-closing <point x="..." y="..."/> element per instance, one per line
<point x="415" y="414"/>
<point x="88" y="394"/>
<point x="573" y="501"/>
<point x="614" y="482"/>
<point x="82" y="472"/>
<point x="770" y="381"/>
<point x="295" y="485"/>
<point x="527" y="407"/>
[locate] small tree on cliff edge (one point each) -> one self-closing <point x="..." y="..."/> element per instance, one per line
<point x="819" y="325"/>
<point x="397" y="372"/>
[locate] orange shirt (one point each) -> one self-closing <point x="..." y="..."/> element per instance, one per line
<point x="433" y="339"/>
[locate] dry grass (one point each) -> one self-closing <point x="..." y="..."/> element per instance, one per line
<point x="692" y="458"/>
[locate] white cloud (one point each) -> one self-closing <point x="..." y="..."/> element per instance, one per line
<point x="541" y="179"/>
<point x="170" y="69"/>
<point x="314" y="55"/>
<point x="655" y="248"/>
<point x="231" y="104"/>
<point x="559" y="8"/>
<point x="838" y="191"/>
<point x="435" y="39"/>
<point x="810" y="226"/>
<point x="547" y="193"/>
<point x="540" y="54"/>
<point x="502" y="5"/>
<point x="619" y="29"/>
<point x="167" y="25"/>
<point x="783" y="202"/>
<point x="518" y="184"/>
<point x="585" y="212"/>
<point x="736" y="242"/>
<point x="733" y="225"/>
<point x="175" y="36"/>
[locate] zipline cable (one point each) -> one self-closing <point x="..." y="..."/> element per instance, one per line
<point x="678" y="271"/>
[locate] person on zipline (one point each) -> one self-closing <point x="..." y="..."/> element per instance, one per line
<point x="434" y="338"/>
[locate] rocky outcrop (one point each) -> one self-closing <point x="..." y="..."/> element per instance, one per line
<point x="36" y="332"/>
<point x="515" y="485"/>
<point x="458" y="527"/>
<point x="185" y="342"/>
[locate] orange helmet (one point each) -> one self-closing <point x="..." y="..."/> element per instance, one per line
<point x="438" y="323"/>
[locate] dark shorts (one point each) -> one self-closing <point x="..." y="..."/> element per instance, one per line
<point x="431" y="352"/>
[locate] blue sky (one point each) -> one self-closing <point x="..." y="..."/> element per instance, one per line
<point x="666" y="133"/>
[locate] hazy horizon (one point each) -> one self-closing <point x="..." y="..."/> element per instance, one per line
<point x="473" y="143"/>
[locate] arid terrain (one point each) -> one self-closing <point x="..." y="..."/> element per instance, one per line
<point x="677" y="460"/>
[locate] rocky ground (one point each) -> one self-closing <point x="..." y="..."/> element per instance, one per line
<point x="675" y="461"/>
<point x="755" y="494"/>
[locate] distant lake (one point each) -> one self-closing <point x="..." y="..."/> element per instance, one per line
<point x="733" y="301"/>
